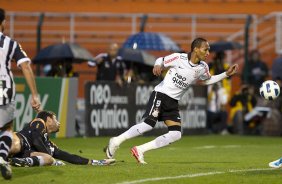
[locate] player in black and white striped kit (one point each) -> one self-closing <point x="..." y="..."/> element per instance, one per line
<point x="11" y="50"/>
<point x="163" y="102"/>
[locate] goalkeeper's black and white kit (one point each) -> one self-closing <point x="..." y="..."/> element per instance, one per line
<point x="34" y="138"/>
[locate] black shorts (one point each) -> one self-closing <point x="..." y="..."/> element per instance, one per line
<point x="162" y="107"/>
<point x="25" y="147"/>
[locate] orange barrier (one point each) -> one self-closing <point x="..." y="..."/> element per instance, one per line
<point x="261" y="7"/>
<point x="147" y="6"/>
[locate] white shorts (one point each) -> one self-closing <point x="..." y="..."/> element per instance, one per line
<point x="7" y="113"/>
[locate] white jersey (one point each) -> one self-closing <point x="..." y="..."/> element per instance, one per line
<point x="182" y="73"/>
<point x="9" y="50"/>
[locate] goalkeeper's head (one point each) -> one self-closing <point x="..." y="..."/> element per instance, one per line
<point x="50" y="119"/>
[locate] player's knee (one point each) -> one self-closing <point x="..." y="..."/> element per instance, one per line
<point x="174" y="132"/>
<point x="150" y="122"/>
<point x="144" y="127"/>
<point x="174" y="135"/>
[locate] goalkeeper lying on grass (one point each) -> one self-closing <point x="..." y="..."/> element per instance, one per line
<point x="31" y="146"/>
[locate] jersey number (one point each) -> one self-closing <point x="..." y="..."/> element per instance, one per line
<point x="158" y="103"/>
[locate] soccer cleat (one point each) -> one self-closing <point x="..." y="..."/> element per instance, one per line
<point x="6" y="170"/>
<point x="276" y="164"/>
<point x="19" y="162"/>
<point x="111" y="148"/>
<point x="103" y="162"/>
<point x="138" y="155"/>
<point x="58" y="163"/>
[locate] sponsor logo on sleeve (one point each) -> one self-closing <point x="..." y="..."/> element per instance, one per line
<point x="183" y="57"/>
<point x="172" y="59"/>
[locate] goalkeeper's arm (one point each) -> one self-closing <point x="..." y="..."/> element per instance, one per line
<point x="71" y="158"/>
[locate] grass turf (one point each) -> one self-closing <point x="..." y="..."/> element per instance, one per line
<point x="193" y="159"/>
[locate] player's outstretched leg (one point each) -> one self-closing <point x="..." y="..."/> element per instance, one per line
<point x="112" y="148"/>
<point x="19" y="162"/>
<point x="161" y="141"/>
<point x="134" y="131"/>
<point x="33" y="161"/>
<point x="276" y="163"/>
<point x="139" y="156"/>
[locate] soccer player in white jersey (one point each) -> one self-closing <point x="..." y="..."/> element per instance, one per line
<point x="11" y="50"/>
<point x="163" y="102"/>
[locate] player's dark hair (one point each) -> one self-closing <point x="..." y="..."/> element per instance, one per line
<point x="44" y="114"/>
<point x="197" y="43"/>
<point x="2" y="15"/>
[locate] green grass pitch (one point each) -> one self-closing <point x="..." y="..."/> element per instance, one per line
<point x="193" y="159"/>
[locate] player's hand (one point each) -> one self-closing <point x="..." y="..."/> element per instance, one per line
<point x="232" y="70"/>
<point x="99" y="60"/>
<point x="157" y="70"/>
<point x="35" y="103"/>
<point x="119" y="82"/>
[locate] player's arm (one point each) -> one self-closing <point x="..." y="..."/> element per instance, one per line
<point x="24" y="63"/>
<point x="38" y="130"/>
<point x="71" y="158"/>
<point x="28" y="74"/>
<point x="165" y="62"/>
<point x="97" y="60"/>
<point x="211" y="79"/>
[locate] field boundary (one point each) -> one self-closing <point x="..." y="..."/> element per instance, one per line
<point x="193" y="175"/>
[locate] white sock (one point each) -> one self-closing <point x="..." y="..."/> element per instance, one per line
<point x="160" y="141"/>
<point x="35" y="160"/>
<point x="134" y="131"/>
<point x="41" y="160"/>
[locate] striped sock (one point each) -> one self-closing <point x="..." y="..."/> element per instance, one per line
<point x="35" y="161"/>
<point x="5" y="144"/>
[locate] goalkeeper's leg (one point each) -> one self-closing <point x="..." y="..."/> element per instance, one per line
<point x="35" y="159"/>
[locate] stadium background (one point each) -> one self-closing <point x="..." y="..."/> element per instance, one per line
<point x="194" y="159"/>
<point x="56" y="25"/>
<point x="259" y="8"/>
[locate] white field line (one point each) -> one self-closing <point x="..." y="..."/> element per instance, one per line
<point x="193" y="175"/>
<point x="213" y="146"/>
